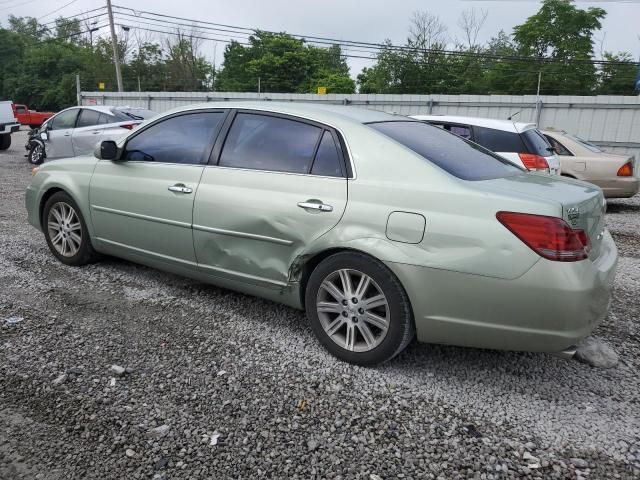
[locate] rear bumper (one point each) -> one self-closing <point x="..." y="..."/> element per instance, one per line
<point x="619" y="187"/>
<point x="31" y="203"/>
<point x="548" y="309"/>
<point x="9" y="127"/>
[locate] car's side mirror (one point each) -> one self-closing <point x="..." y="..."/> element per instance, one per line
<point x="108" y="150"/>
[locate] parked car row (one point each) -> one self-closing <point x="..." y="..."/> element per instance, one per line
<point x="380" y="227"/>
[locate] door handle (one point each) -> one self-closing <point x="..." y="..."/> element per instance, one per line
<point x="180" y="188"/>
<point x="323" y="207"/>
<point x="97" y="132"/>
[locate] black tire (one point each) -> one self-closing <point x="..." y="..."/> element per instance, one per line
<point x="36" y="154"/>
<point x="85" y="253"/>
<point x="5" y="141"/>
<point x="33" y="127"/>
<point x="401" y="328"/>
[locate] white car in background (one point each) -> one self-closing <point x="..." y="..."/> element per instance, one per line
<point x="8" y="124"/>
<point x="520" y="143"/>
<point x="76" y="130"/>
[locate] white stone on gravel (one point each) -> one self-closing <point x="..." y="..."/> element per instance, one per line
<point x="158" y="432"/>
<point x="117" y="370"/>
<point x="595" y="352"/>
<point x="59" y="380"/>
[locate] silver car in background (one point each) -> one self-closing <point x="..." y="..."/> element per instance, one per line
<point x="76" y="130"/>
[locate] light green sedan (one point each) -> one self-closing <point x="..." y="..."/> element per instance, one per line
<point x="379" y="226"/>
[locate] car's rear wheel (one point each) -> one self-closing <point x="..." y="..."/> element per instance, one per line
<point x="36" y="154"/>
<point x="5" y="141"/>
<point x="66" y="231"/>
<point x="358" y="309"/>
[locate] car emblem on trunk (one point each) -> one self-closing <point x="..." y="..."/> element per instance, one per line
<point x="573" y="214"/>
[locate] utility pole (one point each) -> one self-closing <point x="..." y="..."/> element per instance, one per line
<point x="78" y="94"/>
<point x="114" y="43"/>
<point x="258" y="85"/>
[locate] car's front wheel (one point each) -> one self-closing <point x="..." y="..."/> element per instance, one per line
<point x="358" y="309"/>
<point x="36" y="154"/>
<point x="66" y="231"/>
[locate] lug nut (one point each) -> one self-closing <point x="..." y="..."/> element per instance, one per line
<point x="345" y="314"/>
<point x="354" y="300"/>
<point x="355" y="319"/>
<point x="361" y="311"/>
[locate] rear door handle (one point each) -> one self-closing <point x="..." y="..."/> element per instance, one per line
<point x="180" y="188"/>
<point x="323" y="207"/>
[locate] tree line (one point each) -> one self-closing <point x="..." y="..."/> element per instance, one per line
<point x="553" y="51"/>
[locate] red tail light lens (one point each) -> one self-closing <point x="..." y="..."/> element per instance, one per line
<point x="550" y="237"/>
<point x="626" y="170"/>
<point x="128" y="126"/>
<point x="534" y="162"/>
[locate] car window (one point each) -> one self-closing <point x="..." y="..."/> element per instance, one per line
<point x="328" y="160"/>
<point x="21" y="109"/>
<point x="264" y="142"/>
<point x="536" y="142"/>
<point x="589" y="146"/>
<point x="64" y="120"/>
<point x="181" y="139"/>
<point x="499" y="140"/>
<point x="88" y="118"/>
<point x="106" y="118"/>
<point x="559" y="148"/>
<point x="458" y="156"/>
<point x="461" y="130"/>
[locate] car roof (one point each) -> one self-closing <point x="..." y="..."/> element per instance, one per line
<point x="505" y="125"/>
<point x="322" y="113"/>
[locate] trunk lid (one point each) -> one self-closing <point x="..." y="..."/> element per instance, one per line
<point x="583" y="204"/>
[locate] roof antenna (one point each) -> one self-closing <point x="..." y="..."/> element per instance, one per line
<point x="514" y="114"/>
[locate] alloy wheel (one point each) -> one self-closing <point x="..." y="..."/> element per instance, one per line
<point x="353" y="310"/>
<point x="64" y="229"/>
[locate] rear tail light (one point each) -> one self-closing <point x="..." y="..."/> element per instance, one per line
<point x="128" y="126"/>
<point x="536" y="163"/>
<point x="550" y="237"/>
<point x="626" y="170"/>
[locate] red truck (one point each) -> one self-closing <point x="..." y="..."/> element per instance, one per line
<point x="30" y="117"/>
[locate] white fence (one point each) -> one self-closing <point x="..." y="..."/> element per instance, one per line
<point x="612" y="122"/>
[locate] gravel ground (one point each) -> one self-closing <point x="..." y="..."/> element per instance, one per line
<point x="221" y="385"/>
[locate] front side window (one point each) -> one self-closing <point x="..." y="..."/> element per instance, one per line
<point x="181" y="139"/>
<point x="455" y="155"/>
<point x="64" y="120"/>
<point x="263" y="142"/>
<point x="88" y="118"/>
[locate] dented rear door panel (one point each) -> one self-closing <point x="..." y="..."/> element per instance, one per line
<point x="247" y="224"/>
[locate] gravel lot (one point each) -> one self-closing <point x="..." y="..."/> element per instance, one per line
<point x="241" y="389"/>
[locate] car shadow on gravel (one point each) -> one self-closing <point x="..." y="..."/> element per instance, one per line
<point x="622" y="207"/>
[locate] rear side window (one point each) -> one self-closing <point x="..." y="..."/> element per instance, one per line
<point x="559" y="148"/>
<point x="499" y="140"/>
<point x="21" y="109"/>
<point x="328" y="159"/>
<point x="88" y="118"/>
<point x="106" y="118"/>
<point x="455" y="155"/>
<point x="536" y="143"/>
<point x="182" y="139"/>
<point x="264" y="142"/>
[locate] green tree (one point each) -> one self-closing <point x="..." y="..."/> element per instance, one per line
<point x="559" y="38"/>
<point x="618" y="77"/>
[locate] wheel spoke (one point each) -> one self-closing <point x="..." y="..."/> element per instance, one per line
<point x="56" y="214"/>
<point x="374" y="302"/>
<point x="70" y="215"/>
<point x="332" y="289"/>
<point x="55" y="240"/>
<point x="77" y="240"/>
<point x="376" y="321"/>
<point x="350" y="337"/>
<point x="334" y="326"/>
<point x="347" y="287"/>
<point x="363" y="285"/>
<point x="74" y="227"/>
<point x="329" y="307"/>
<point x="367" y="334"/>
<point x="54" y="226"/>
<point x="64" y="246"/>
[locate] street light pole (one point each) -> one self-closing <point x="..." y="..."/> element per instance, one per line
<point x="114" y="43"/>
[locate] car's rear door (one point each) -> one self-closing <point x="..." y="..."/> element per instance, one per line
<point x="87" y="133"/>
<point x="142" y="205"/>
<point x="276" y="184"/>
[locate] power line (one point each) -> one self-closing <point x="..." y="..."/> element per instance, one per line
<point x="57" y="9"/>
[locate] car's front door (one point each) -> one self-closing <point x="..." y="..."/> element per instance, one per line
<point x="276" y="185"/>
<point x="88" y="132"/>
<point x="142" y="205"/>
<point x="59" y="134"/>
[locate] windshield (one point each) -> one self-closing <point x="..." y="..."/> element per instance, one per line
<point x="455" y="155"/>
<point x="584" y="143"/>
<point x="133" y="113"/>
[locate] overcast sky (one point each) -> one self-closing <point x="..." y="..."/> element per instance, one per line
<point x="362" y="20"/>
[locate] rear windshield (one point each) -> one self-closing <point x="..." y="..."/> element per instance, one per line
<point x="459" y="157"/>
<point x="499" y="140"/>
<point x="536" y="143"/>
<point x="124" y="114"/>
<point x="584" y="143"/>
